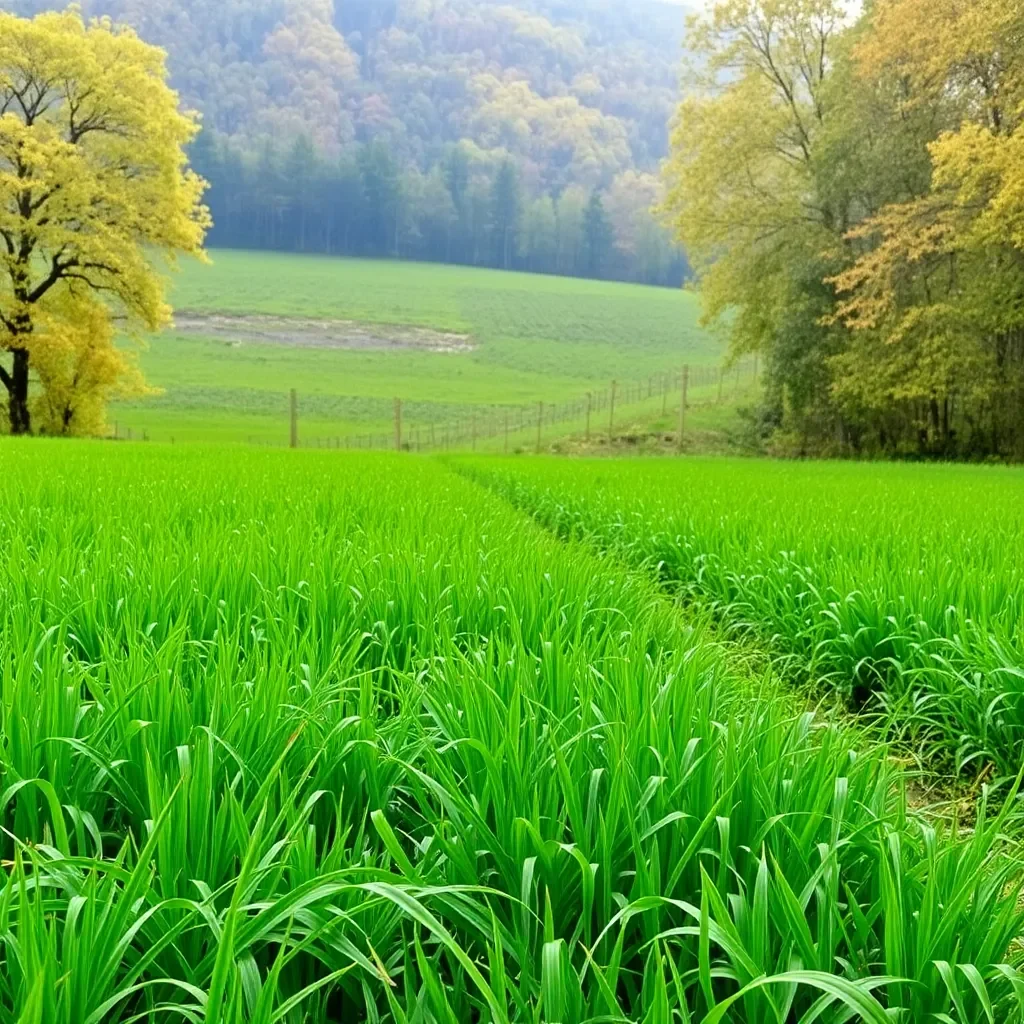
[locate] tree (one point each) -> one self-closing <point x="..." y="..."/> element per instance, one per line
<point x="479" y="205"/>
<point x="309" y="69"/>
<point x="457" y="175"/>
<point x="851" y="191"/>
<point x="936" y="299"/>
<point x="645" y="245"/>
<point x="571" y="209"/>
<point x="742" y="179"/>
<point x="539" y="238"/>
<point x="780" y="149"/>
<point x="94" y="187"/>
<point x="506" y="209"/>
<point x="410" y="202"/>
<point x="345" y="203"/>
<point x="598" y="236"/>
<point x="437" y="215"/>
<point x="301" y="168"/>
<point x="381" y="189"/>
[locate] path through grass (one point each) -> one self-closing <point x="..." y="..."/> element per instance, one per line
<point x="901" y="586"/>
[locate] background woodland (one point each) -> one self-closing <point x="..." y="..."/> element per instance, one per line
<point x="523" y="135"/>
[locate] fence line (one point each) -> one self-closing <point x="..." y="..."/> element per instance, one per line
<point x="596" y="412"/>
<point x="485" y="423"/>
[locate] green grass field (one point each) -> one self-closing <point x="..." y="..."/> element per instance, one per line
<point x="309" y="737"/>
<point x="537" y="339"/>
<point x="902" y="586"/>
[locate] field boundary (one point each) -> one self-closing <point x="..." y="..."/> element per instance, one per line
<point x="514" y="426"/>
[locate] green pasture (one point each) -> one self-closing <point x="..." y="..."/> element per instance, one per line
<point x="536" y="339"/>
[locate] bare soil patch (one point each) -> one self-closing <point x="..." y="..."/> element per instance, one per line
<point x="305" y="333"/>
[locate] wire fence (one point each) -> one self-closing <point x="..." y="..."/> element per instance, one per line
<point x="507" y="426"/>
<point x="422" y="426"/>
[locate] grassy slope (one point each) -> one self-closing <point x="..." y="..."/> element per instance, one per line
<point x="539" y="339"/>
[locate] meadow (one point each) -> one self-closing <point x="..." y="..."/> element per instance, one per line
<point x="901" y="587"/>
<point x="535" y="339"/>
<point x="304" y="737"/>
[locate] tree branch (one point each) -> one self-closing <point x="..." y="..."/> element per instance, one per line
<point x="58" y="269"/>
<point x="38" y="204"/>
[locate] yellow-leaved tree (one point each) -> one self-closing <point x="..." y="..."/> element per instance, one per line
<point x="936" y="301"/>
<point x="849" y="186"/>
<point x="96" y="198"/>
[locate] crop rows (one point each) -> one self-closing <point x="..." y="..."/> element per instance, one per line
<point x="903" y="587"/>
<point x="306" y="738"/>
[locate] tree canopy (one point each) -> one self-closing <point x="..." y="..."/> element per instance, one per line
<point x="852" y="195"/>
<point x="94" y="186"/>
<point x="572" y="95"/>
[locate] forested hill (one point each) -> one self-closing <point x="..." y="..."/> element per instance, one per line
<point x="480" y="130"/>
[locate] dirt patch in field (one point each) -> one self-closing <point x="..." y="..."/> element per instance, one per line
<point x="303" y="333"/>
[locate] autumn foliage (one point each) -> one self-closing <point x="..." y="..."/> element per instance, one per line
<point x="95" y="197"/>
<point x="853" y="192"/>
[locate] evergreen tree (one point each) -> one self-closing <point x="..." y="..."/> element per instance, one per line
<point x="300" y="180"/>
<point x="381" y="192"/>
<point x="347" y="202"/>
<point x="506" y="209"/>
<point x="597" y="237"/>
<point x="538" y="240"/>
<point x="459" y="209"/>
<point x="457" y="174"/>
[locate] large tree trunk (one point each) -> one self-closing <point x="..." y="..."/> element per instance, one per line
<point x="17" y="394"/>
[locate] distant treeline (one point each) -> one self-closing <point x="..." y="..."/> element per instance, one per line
<point x="467" y="209"/>
<point x="472" y="131"/>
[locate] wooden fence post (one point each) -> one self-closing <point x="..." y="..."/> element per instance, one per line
<point x="682" y="405"/>
<point x="398" y="424"/>
<point x="293" y="410"/>
<point x="590" y="402"/>
<point x="540" y="423"/>
<point x="611" y="412"/>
